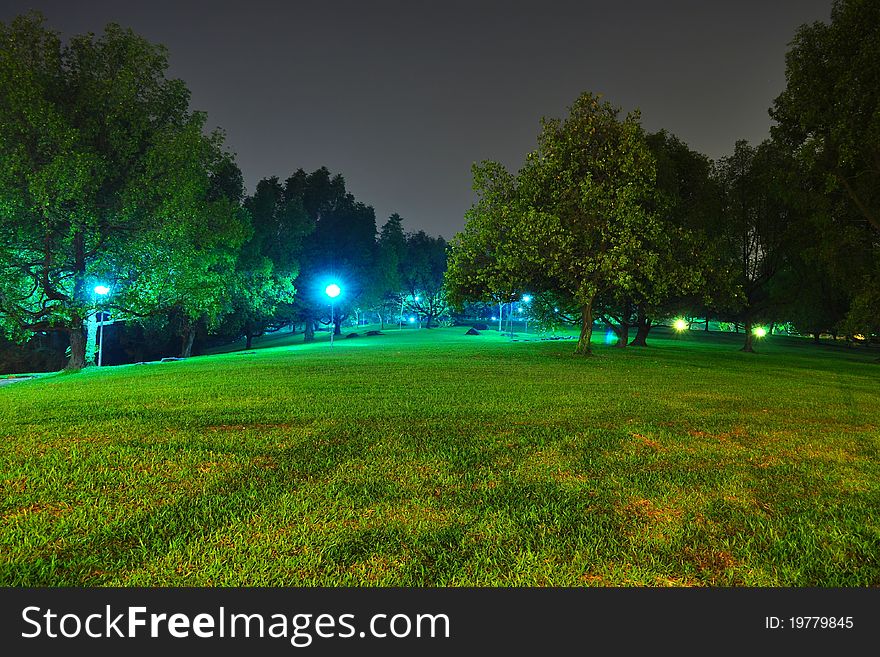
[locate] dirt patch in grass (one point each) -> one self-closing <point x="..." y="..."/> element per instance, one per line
<point x="52" y="509"/>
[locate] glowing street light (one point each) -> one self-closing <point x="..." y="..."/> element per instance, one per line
<point x="680" y="325"/>
<point x="526" y="298"/>
<point x="332" y="291"/>
<point x="759" y="331"/>
<point x="103" y="291"/>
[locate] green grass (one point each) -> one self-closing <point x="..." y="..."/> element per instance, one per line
<point x="430" y="458"/>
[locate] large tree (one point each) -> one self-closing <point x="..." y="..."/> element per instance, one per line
<point x="422" y="272"/>
<point x="761" y="212"/>
<point x="104" y="170"/>
<point x="829" y="119"/>
<point x="340" y="249"/>
<point x="575" y="221"/>
<point x="387" y="291"/>
<point x="268" y="263"/>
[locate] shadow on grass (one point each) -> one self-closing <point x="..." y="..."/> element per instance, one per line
<point x="90" y="559"/>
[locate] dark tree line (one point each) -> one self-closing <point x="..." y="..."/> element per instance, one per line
<point x="109" y="183"/>
<point x="607" y="223"/>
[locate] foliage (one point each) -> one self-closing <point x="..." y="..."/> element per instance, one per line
<point x="105" y="176"/>
<point x="575" y="221"/>
<point x="828" y="117"/>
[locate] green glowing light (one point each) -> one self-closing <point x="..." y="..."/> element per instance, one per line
<point x="680" y="325"/>
<point x="759" y="331"/>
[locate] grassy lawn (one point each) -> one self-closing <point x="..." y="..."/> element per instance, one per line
<point x="431" y="458"/>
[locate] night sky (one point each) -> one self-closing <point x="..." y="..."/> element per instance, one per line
<point x="402" y="97"/>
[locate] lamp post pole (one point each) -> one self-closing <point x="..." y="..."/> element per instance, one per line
<point x="101" y="291"/>
<point x="332" y="291"/>
<point x="332" y="323"/>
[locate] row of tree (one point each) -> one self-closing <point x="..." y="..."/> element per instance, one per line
<point x="108" y="180"/>
<point x="604" y="221"/>
<point x="107" y="177"/>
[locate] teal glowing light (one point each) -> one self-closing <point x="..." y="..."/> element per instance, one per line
<point x="759" y="331"/>
<point x="412" y="320"/>
<point x="610" y="337"/>
<point x="102" y="290"/>
<point x="680" y="325"/>
<point x="526" y="298"/>
<point x="333" y="290"/>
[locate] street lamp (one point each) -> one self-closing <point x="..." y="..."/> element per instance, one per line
<point x="101" y="290"/>
<point x="332" y="291"/>
<point x="527" y="298"/>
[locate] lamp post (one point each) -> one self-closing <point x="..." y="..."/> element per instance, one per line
<point x="101" y="290"/>
<point x="527" y="298"/>
<point x="332" y="291"/>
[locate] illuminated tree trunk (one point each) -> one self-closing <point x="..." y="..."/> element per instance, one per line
<point x="583" y="345"/>
<point x="643" y="326"/>
<point x="77" y="338"/>
<point x="186" y="343"/>
<point x="77" y="347"/>
<point x="309" y="330"/>
<point x="623" y="334"/>
<point x="747" y="347"/>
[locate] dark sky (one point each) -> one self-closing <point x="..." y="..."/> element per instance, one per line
<point x="401" y="97"/>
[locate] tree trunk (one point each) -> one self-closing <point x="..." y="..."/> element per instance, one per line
<point x="643" y="326"/>
<point x="583" y="345"/>
<point x="337" y="326"/>
<point x="707" y="325"/>
<point x="747" y="347"/>
<point x="309" y="330"/>
<point x="623" y="334"/>
<point x="248" y="340"/>
<point x="428" y="319"/>
<point x="186" y="343"/>
<point x="815" y="338"/>
<point x="77" y="338"/>
<point x="77" y="347"/>
<point x="381" y="321"/>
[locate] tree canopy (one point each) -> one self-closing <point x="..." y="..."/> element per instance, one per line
<point x="106" y="177"/>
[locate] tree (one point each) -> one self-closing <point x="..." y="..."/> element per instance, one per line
<point x="422" y="272"/>
<point x="760" y="208"/>
<point x="341" y="249"/>
<point x="691" y="272"/>
<point x="268" y="263"/>
<point x="575" y="221"/>
<point x="483" y="263"/>
<point x="828" y="118"/>
<point x="105" y="175"/>
<point x="390" y="256"/>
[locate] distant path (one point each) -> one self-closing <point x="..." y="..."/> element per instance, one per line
<point x="6" y="382"/>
